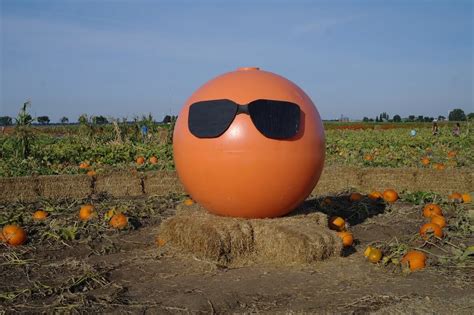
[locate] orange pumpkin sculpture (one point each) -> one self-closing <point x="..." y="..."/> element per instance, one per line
<point x="231" y="152"/>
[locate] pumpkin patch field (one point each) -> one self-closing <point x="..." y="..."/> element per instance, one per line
<point x="105" y="254"/>
<point x="97" y="148"/>
<point x="401" y="251"/>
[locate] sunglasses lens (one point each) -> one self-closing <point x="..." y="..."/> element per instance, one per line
<point x="275" y="119"/>
<point x="210" y="119"/>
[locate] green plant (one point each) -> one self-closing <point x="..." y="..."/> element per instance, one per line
<point x="23" y="134"/>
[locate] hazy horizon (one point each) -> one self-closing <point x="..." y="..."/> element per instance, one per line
<point x="130" y="58"/>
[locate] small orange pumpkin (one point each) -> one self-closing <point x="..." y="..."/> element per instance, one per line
<point x="416" y="260"/>
<point x="431" y="209"/>
<point x="13" y="234"/>
<point x="452" y="154"/>
<point x="355" y="197"/>
<point x="425" y="161"/>
<point x="140" y="160"/>
<point x="439" y="220"/>
<point x="188" y="202"/>
<point x="390" y="195"/>
<point x="431" y="228"/>
<point x="84" y="165"/>
<point x="40" y="215"/>
<point x="153" y="160"/>
<point x="337" y="223"/>
<point x="347" y="238"/>
<point x="368" y="157"/>
<point x="119" y="221"/>
<point x="375" y="195"/>
<point x="466" y="198"/>
<point x="375" y="255"/>
<point x="87" y="212"/>
<point x="91" y="173"/>
<point x="456" y="197"/>
<point x="439" y="166"/>
<point x="368" y="250"/>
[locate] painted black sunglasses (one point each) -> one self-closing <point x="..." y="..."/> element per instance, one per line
<point x="274" y="119"/>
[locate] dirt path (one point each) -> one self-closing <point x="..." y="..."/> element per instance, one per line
<point x="343" y="284"/>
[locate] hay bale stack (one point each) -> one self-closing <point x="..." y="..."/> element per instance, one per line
<point x="161" y="183"/>
<point x="219" y="239"/>
<point x="18" y="189"/>
<point x="119" y="184"/>
<point x="301" y="238"/>
<point x="444" y="181"/>
<point x="335" y="179"/>
<point x="292" y="242"/>
<point x="58" y="186"/>
<point x="384" y="178"/>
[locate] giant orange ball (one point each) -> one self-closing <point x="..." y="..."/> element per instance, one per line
<point x="243" y="173"/>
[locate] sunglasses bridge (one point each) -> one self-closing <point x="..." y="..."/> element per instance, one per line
<point x="242" y="109"/>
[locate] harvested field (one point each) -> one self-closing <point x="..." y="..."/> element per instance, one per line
<point x="73" y="266"/>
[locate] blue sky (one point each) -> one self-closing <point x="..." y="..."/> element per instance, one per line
<point x="126" y="58"/>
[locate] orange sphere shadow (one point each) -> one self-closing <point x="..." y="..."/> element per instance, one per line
<point x="242" y="173"/>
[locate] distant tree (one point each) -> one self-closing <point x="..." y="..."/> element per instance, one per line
<point x="43" y="120"/>
<point x="427" y="119"/>
<point x="365" y="119"/>
<point x="397" y="118"/>
<point x="64" y="120"/>
<point x="470" y="116"/>
<point x="376" y="118"/>
<point x="457" y="115"/>
<point x="371" y="119"/>
<point x="167" y="119"/>
<point x="83" y="119"/>
<point x="411" y="118"/>
<point x="99" y="120"/>
<point x="384" y="116"/>
<point x="5" y="121"/>
<point x="419" y="118"/>
<point x="441" y="118"/>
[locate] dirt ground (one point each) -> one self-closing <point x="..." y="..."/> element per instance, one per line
<point x="94" y="269"/>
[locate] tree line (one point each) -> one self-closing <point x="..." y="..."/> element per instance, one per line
<point x="85" y="119"/>
<point x="456" y="114"/>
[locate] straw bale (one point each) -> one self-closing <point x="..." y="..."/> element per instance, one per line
<point x="383" y="178"/>
<point x="212" y="237"/>
<point x="162" y="183"/>
<point x="294" y="241"/>
<point x="119" y="184"/>
<point x="336" y="179"/>
<point x="445" y="181"/>
<point x="18" y="189"/>
<point x="64" y="186"/>
<point x="300" y="238"/>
